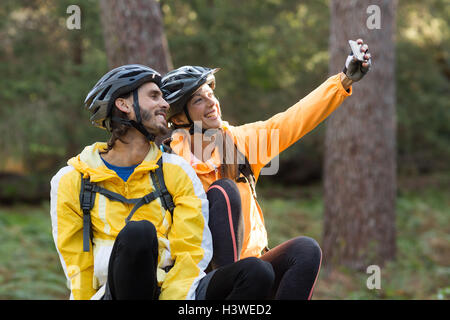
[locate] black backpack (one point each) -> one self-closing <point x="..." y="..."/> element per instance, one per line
<point x="89" y="189"/>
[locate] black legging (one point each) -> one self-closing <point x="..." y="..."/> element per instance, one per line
<point x="133" y="263"/>
<point x="247" y="279"/>
<point x="225" y="222"/>
<point x="296" y="262"/>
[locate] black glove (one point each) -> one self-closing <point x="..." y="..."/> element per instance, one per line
<point x="354" y="68"/>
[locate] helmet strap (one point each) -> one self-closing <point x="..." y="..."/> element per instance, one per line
<point x="138" y="123"/>
<point x="140" y="127"/>
<point x="137" y="108"/>
<point x="192" y="127"/>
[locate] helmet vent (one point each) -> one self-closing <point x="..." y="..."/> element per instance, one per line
<point x="110" y="76"/>
<point x="104" y="93"/>
<point x="130" y="74"/>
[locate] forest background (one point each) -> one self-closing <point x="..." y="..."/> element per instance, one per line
<point x="271" y="54"/>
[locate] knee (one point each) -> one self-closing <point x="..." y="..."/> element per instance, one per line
<point x="225" y="183"/>
<point x="138" y="236"/>
<point x="225" y="186"/>
<point x="223" y="194"/>
<point x="307" y="247"/>
<point x="139" y="230"/>
<point x="310" y="244"/>
<point x="260" y="273"/>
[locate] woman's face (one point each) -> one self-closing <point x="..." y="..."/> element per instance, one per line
<point x="204" y="107"/>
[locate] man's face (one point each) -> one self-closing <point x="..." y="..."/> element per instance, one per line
<point x="153" y="108"/>
<point x="204" y="106"/>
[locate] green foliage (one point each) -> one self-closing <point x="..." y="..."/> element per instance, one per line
<point x="24" y="188"/>
<point x="46" y="72"/>
<point x="423" y="63"/>
<point x="272" y="53"/>
<point x="257" y="44"/>
<point x="291" y="212"/>
<point x="29" y="264"/>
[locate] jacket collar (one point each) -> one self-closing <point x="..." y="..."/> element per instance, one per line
<point x="91" y="165"/>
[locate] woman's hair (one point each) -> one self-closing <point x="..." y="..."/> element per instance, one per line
<point x="231" y="157"/>
<point x="118" y="130"/>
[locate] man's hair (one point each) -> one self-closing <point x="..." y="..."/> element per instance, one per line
<point x="118" y="130"/>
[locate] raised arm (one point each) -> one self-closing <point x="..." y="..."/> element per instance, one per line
<point x="263" y="140"/>
<point x="268" y="138"/>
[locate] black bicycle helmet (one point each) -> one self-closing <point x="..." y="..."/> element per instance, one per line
<point x="178" y="86"/>
<point x="117" y="82"/>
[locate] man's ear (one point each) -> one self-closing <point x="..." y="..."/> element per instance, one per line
<point x="123" y="105"/>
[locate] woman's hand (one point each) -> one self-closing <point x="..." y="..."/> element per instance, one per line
<point x="354" y="69"/>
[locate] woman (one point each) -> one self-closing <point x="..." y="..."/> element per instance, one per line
<point x="229" y="159"/>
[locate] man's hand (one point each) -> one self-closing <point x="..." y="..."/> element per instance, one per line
<point x="354" y="69"/>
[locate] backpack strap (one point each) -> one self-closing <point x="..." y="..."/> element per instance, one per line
<point x="160" y="187"/>
<point x="87" y="200"/>
<point x="246" y="170"/>
<point x="138" y="202"/>
<point x="89" y="189"/>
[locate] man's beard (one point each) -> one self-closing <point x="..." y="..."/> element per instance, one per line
<point x="156" y="129"/>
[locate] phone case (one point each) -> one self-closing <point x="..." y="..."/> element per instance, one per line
<point x="356" y="50"/>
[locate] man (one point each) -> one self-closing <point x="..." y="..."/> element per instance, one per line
<point x="131" y="222"/>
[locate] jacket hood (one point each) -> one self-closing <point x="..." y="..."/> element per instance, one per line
<point x="90" y="163"/>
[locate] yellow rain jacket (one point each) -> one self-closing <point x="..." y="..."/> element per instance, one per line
<point x="184" y="242"/>
<point x="260" y="142"/>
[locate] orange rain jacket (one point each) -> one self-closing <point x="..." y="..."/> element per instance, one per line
<point x="260" y="142"/>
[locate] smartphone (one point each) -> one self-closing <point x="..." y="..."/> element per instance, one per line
<point x="356" y="50"/>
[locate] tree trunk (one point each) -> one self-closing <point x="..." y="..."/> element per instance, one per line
<point x="134" y="33"/>
<point x="360" y="144"/>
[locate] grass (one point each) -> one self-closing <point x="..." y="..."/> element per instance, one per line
<point x="421" y="269"/>
<point x="29" y="264"/>
<point x="30" y="267"/>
